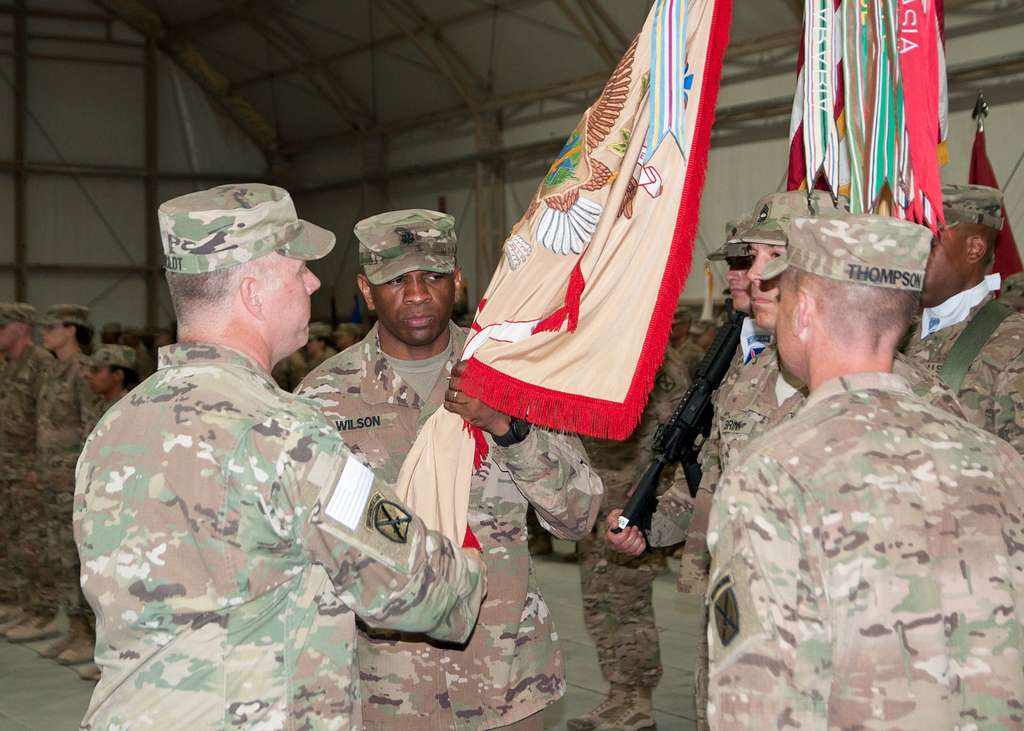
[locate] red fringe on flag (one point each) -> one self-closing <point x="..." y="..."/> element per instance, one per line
<point x="481" y="450"/>
<point x="598" y="417"/>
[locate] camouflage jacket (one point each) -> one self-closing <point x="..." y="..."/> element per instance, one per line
<point x="228" y="540"/>
<point x="867" y="570"/>
<point x="746" y="407"/>
<point x="992" y="393"/>
<point x="512" y="666"/>
<point x="66" y="413"/>
<point x="20" y="382"/>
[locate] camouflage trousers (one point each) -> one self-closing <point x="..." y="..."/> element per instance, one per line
<point x="62" y="553"/>
<point x="11" y="521"/>
<point x="617" y="606"/>
<point x="31" y="573"/>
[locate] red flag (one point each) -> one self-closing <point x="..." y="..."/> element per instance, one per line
<point x="1007" y="257"/>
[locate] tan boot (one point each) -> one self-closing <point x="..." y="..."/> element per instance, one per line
<point x="12" y="622"/>
<point x="637" y="716"/>
<point x="9" y="612"/>
<point x="34" y="630"/>
<point x="606" y="710"/>
<point x="81" y="645"/>
<point x="90" y="672"/>
<point x="56" y="647"/>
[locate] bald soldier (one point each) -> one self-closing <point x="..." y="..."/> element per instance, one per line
<point x="378" y="394"/>
<point x="228" y="536"/>
<point x="22" y="542"/>
<point x="970" y="340"/>
<point x="866" y="563"/>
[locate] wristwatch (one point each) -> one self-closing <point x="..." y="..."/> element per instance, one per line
<point x="518" y="430"/>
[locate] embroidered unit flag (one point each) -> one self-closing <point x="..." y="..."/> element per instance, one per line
<point x="601" y="252"/>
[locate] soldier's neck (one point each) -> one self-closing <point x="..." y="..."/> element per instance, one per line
<point x="68" y="351"/>
<point x="400" y="350"/>
<point x="825" y="367"/>
<point x="236" y="338"/>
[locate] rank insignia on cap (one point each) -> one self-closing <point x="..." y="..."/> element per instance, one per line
<point x="726" y="611"/>
<point x="406" y="237"/>
<point x="763" y="215"/>
<point x="389" y="519"/>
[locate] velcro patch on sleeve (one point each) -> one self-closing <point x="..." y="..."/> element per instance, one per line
<point x="351" y="493"/>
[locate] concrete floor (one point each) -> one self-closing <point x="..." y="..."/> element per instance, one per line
<point x="40" y="695"/>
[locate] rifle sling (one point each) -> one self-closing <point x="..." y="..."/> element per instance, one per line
<point x="971" y="341"/>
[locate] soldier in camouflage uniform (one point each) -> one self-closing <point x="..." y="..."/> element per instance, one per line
<point x="112" y="373"/>
<point x="378" y="393"/>
<point x="23" y="537"/>
<point x="958" y="295"/>
<point x="1012" y="292"/>
<point x="228" y="536"/>
<point x="617" y="590"/>
<point x="66" y="409"/>
<point x="753" y="398"/>
<point x="867" y="570"/>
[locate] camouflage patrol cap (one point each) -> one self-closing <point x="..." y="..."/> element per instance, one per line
<point x="732" y="246"/>
<point x="17" y="312"/>
<point x="66" y="315"/>
<point x="861" y="249"/>
<point x="397" y="242"/>
<point x="973" y="204"/>
<point x="774" y="212"/>
<point x="319" y="330"/>
<point x="1012" y="292"/>
<point x="114" y="356"/>
<point x="234" y="224"/>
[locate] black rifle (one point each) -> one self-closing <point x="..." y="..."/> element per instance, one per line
<point x="675" y="442"/>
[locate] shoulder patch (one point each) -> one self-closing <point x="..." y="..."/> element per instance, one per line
<point x="388" y="518"/>
<point x="726" y="611"/>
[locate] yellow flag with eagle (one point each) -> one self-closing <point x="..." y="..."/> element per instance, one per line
<point x="573" y="326"/>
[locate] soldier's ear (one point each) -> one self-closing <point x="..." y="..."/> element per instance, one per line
<point x="975" y="248"/>
<point x="250" y="291"/>
<point x="364" y="286"/>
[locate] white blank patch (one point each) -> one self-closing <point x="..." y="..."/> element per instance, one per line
<point x="350" y="494"/>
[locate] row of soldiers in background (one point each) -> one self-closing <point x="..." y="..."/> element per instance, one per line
<point x="51" y="396"/>
<point x="323" y="344"/>
<point x="864" y="567"/>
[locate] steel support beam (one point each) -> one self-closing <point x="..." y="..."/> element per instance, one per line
<point x="152" y="157"/>
<point x="88" y="170"/>
<point x="20" y="176"/>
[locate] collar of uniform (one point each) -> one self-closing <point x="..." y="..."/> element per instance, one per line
<point x="192" y="354"/>
<point x="850" y="383"/>
<point x="960" y="307"/>
<point x="378" y="373"/>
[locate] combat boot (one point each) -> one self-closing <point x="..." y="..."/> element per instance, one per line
<point x="89" y="672"/>
<point x="81" y="646"/>
<point x="56" y="647"/>
<point x="607" y="710"/>
<point x="34" y="629"/>
<point x="637" y="716"/>
<point x="9" y="612"/>
<point x="13" y="621"/>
